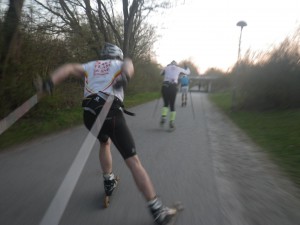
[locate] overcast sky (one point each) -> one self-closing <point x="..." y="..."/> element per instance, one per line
<point x="206" y="32"/>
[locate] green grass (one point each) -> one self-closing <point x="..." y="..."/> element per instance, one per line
<point x="137" y="99"/>
<point x="31" y="127"/>
<point x="48" y="118"/>
<point x="275" y="131"/>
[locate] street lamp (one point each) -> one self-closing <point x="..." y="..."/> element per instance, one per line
<point x="241" y="24"/>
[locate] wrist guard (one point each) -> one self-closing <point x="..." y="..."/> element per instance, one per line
<point x="122" y="81"/>
<point x="48" y="86"/>
<point x="43" y="86"/>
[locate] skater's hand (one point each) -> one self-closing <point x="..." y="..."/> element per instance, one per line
<point x="43" y="86"/>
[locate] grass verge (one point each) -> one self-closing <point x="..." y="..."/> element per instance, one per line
<point x="275" y="131"/>
<point x="45" y="120"/>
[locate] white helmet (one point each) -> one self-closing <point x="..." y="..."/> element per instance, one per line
<point x="110" y="51"/>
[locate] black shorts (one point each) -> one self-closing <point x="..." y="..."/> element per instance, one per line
<point x="114" y="126"/>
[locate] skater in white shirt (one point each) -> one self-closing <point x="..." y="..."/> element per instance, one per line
<point x="169" y="91"/>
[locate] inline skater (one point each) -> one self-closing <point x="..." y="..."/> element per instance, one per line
<point x="103" y="78"/>
<point x="169" y="91"/>
<point x="184" y="84"/>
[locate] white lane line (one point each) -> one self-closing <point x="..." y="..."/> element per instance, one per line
<point x="17" y="113"/>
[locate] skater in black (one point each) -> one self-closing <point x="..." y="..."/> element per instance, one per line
<point x="169" y="91"/>
<point x="103" y="78"/>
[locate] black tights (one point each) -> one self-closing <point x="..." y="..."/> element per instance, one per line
<point x="169" y="92"/>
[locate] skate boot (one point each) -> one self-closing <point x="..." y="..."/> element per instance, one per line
<point x="110" y="184"/>
<point x="172" y="126"/>
<point x="162" y="121"/>
<point x="162" y="215"/>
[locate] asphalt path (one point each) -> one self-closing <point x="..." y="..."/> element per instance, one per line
<point x="208" y="163"/>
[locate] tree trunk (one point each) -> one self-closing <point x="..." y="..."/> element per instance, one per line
<point x="9" y="32"/>
<point x="128" y="23"/>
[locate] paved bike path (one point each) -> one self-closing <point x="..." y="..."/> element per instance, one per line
<point x="207" y="163"/>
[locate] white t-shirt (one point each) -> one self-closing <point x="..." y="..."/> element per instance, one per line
<point x="100" y="76"/>
<point x="172" y="72"/>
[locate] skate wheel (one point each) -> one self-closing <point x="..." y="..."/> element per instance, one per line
<point x="178" y="206"/>
<point x="106" y="201"/>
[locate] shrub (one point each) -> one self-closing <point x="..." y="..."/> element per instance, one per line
<point x="273" y="82"/>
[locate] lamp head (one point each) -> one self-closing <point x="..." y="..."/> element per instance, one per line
<point x="241" y="24"/>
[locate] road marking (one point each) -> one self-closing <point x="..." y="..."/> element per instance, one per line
<point x="17" y="113"/>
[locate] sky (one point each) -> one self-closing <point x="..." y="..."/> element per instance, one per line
<point x="205" y="31"/>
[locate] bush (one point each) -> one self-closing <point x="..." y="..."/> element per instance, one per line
<point x="273" y="83"/>
<point x="147" y="78"/>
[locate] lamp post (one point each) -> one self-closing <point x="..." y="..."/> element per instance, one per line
<point x="241" y="24"/>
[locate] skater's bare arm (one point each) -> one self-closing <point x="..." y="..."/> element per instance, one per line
<point x="60" y="74"/>
<point x="64" y="71"/>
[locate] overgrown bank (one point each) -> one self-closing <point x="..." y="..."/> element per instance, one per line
<point x="277" y="131"/>
<point x="261" y="95"/>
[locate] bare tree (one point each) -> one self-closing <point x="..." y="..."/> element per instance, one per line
<point x="105" y="23"/>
